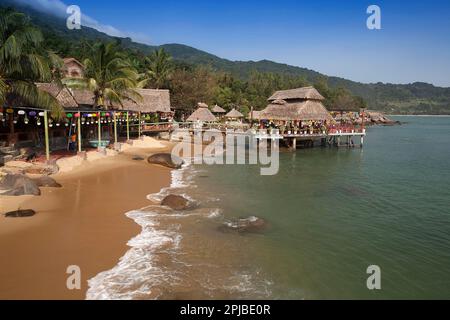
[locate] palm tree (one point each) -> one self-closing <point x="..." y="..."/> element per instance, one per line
<point x="109" y="75"/>
<point x="23" y="62"/>
<point x="159" y="69"/>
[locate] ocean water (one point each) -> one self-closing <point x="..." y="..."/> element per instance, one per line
<point x="331" y="214"/>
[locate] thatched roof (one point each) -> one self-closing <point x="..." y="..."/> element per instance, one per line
<point x="300" y="111"/>
<point x="61" y="93"/>
<point x="83" y="97"/>
<point x="202" y="105"/>
<point x="255" y="115"/>
<point x="217" y="109"/>
<point x="202" y="114"/>
<point x="72" y="60"/>
<point x="234" y="114"/>
<point x="153" y="100"/>
<point x="296" y="94"/>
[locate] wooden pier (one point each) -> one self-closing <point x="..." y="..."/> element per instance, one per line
<point x="349" y="138"/>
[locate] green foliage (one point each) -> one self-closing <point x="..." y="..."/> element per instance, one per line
<point x="158" y="69"/>
<point x="23" y="61"/>
<point x="252" y="82"/>
<point x="109" y="74"/>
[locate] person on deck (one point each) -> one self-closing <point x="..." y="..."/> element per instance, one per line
<point x="73" y="143"/>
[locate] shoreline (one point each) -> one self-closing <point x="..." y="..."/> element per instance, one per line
<point x="75" y="225"/>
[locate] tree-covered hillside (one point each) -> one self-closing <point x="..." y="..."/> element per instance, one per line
<point x="415" y="98"/>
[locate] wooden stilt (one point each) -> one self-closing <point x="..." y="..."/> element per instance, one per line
<point x="139" y="127"/>
<point x="79" y="131"/>
<point x="128" y="126"/>
<point x="294" y="144"/>
<point x="47" y="144"/>
<point x="99" y="131"/>
<point x="115" y="127"/>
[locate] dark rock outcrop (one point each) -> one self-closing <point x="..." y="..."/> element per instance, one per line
<point x="166" y="159"/>
<point x="251" y="224"/>
<point x="18" y="184"/>
<point x="20" y="213"/>
<point x="176" y="202"/>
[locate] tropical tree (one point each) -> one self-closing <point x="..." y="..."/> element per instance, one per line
<point x="109" y="75"/>
<point x="23" y="61"/>
<point x="159" y="69"/>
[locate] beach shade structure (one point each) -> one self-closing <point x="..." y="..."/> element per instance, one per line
<point x="218" y="110"/>
<point x="234" y="114"/>
<point x="202" y="114"/>
<point x="202" y="105"/>
<point x="301" y="104"/>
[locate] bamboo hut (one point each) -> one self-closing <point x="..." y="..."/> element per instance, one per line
<point x="301" y="104"/>
<point x="234" y="114"/>
<point x="218" y="110"/>
<point x="73" y="68"/>
<point x="202" y="114"/>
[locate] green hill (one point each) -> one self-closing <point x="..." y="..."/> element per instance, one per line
<point x="415" y="98"/>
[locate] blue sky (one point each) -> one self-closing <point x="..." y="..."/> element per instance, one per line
<point x="327" y="36"/>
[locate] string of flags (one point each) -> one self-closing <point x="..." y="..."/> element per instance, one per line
<point x="87" y="118"/>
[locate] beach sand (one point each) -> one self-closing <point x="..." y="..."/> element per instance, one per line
<point x="83" y="223"/>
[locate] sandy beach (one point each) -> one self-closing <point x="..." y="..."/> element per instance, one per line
<point x="83" y="223"/>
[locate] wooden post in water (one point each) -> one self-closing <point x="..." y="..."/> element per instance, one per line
<point x="128" y="126"/>
<point x="294" y="144"/>
<point x="47" y="144"/>
<point x="115" y="127"/>
<point x="99" y="131"/>
<point x="79" y="131"/>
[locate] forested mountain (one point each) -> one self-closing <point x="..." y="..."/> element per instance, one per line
<point x="415" y="98"/>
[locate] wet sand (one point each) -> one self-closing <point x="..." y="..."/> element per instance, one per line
<point x="82" y="223"/>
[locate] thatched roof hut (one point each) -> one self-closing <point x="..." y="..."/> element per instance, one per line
<point x="301" y="104"/>
<point x="217" y="109"/>
<point x="298" y="111"/>
<point x="83" y="97"/>
<point x="72" y="68"/>
<point x="255" y="115"/>
<point x="202" y="114"/>
<point x="305" y="93"/>
<point x="61" y="93"/>
<point x="234" y="114"/>
<point x="152" y="101"/>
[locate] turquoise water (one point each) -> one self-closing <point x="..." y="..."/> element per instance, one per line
<point x="332" y="213"/>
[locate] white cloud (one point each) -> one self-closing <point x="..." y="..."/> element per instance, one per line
<point x="58" y="8"/>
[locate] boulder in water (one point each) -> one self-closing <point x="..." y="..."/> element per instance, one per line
<point x="166" y="159"/>
<point x="251" y="224"/>
<point x="20" y="213"/>
<point x="18" y="185"/>
<point x="138" y="158"/>
<point x="176" y="202"/>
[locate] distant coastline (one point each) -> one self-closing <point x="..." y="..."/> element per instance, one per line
<point x="418" y="115"/>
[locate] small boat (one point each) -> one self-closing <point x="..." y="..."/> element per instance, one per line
<point x="94" y="143"/>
